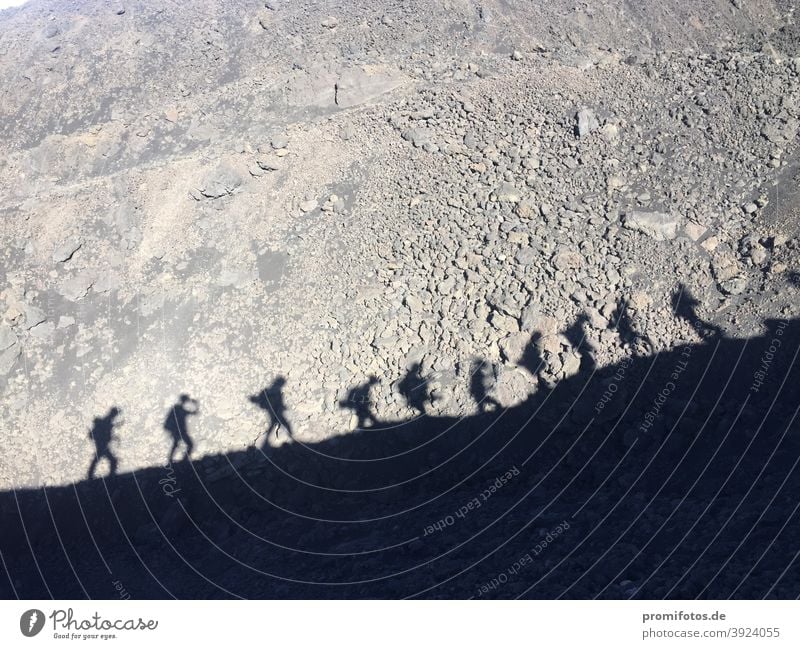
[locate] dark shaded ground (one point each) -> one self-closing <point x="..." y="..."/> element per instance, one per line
<point x="690" y="494"/>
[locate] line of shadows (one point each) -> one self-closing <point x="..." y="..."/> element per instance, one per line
<point x="676" y="473"/>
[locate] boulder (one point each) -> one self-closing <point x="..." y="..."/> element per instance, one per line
<point x="220" y="181"/>
<point x="586" y="122"/>
<point x="660" y="226"/>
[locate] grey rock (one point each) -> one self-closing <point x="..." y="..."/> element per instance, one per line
<point x="308" y="205"/>
<point x="268" y="163"/>
<point x="7" y="337"/>
<point x="8" y="358"/>
<point x="504" y="323"/>
<point x="413" y="303"/>
<point x="512" y="347"/>
<point x="64" y="251"/>
<point x="657" y="225"/>
<point x="527" y="256"/>
<point x="567" y="259"/>
<point x="33" y="316"/>
<point x="221" y="181"/>
<point x="75" y="288"/>
<point x="43" y="330"/>
<point x="586" y="122"/>
<point x="529" y="317"/>
<point x="724" y="265"/>
<point x="508" y="193"/>
<point x="417" y="136"/>
<point x="279" y="142"/>
<point x="513" y="386"/>
<point x="570" y="363"/>
<point x="733" y="286"/>
<point x="759" y="255"/>
<point x="104" y="282"/>
<point x="527" y="210"/>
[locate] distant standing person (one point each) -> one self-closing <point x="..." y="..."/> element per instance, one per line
<point x="102" y="434"/>
<point x="175" y="425"/>
<point x="270" y="400"/>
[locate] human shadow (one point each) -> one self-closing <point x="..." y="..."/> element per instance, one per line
<point x="102" y="434"/>
<point x="577" y="337"/>
<point x="359" y="400"/>
<point x="481" y="380"/>
<point x="177" y="426"/>
<point x="684" y="306"/>
<point x="271" y="401"/>
<point x="629" y="336"/>
<point x="532" y="359"/>
<point x="415" y="389"/>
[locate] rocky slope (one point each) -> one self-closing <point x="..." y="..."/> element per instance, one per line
<point x="205" y="199"/>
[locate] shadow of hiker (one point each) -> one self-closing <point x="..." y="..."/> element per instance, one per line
<point x="639" y="344"/>
<point x="270" y="400"/>
<point x="102" y="434"/>
<point x="415" y="389"/>
<point x="531" y="357"/>
<point x="576" y="335"/>
<point x="684" y="306"/>
<point x="481" y="380"/>
<point x="358" y="400"/>
<point x="175" y="425"/>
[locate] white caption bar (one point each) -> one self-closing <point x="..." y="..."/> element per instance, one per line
<point x="369" y="624"/>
